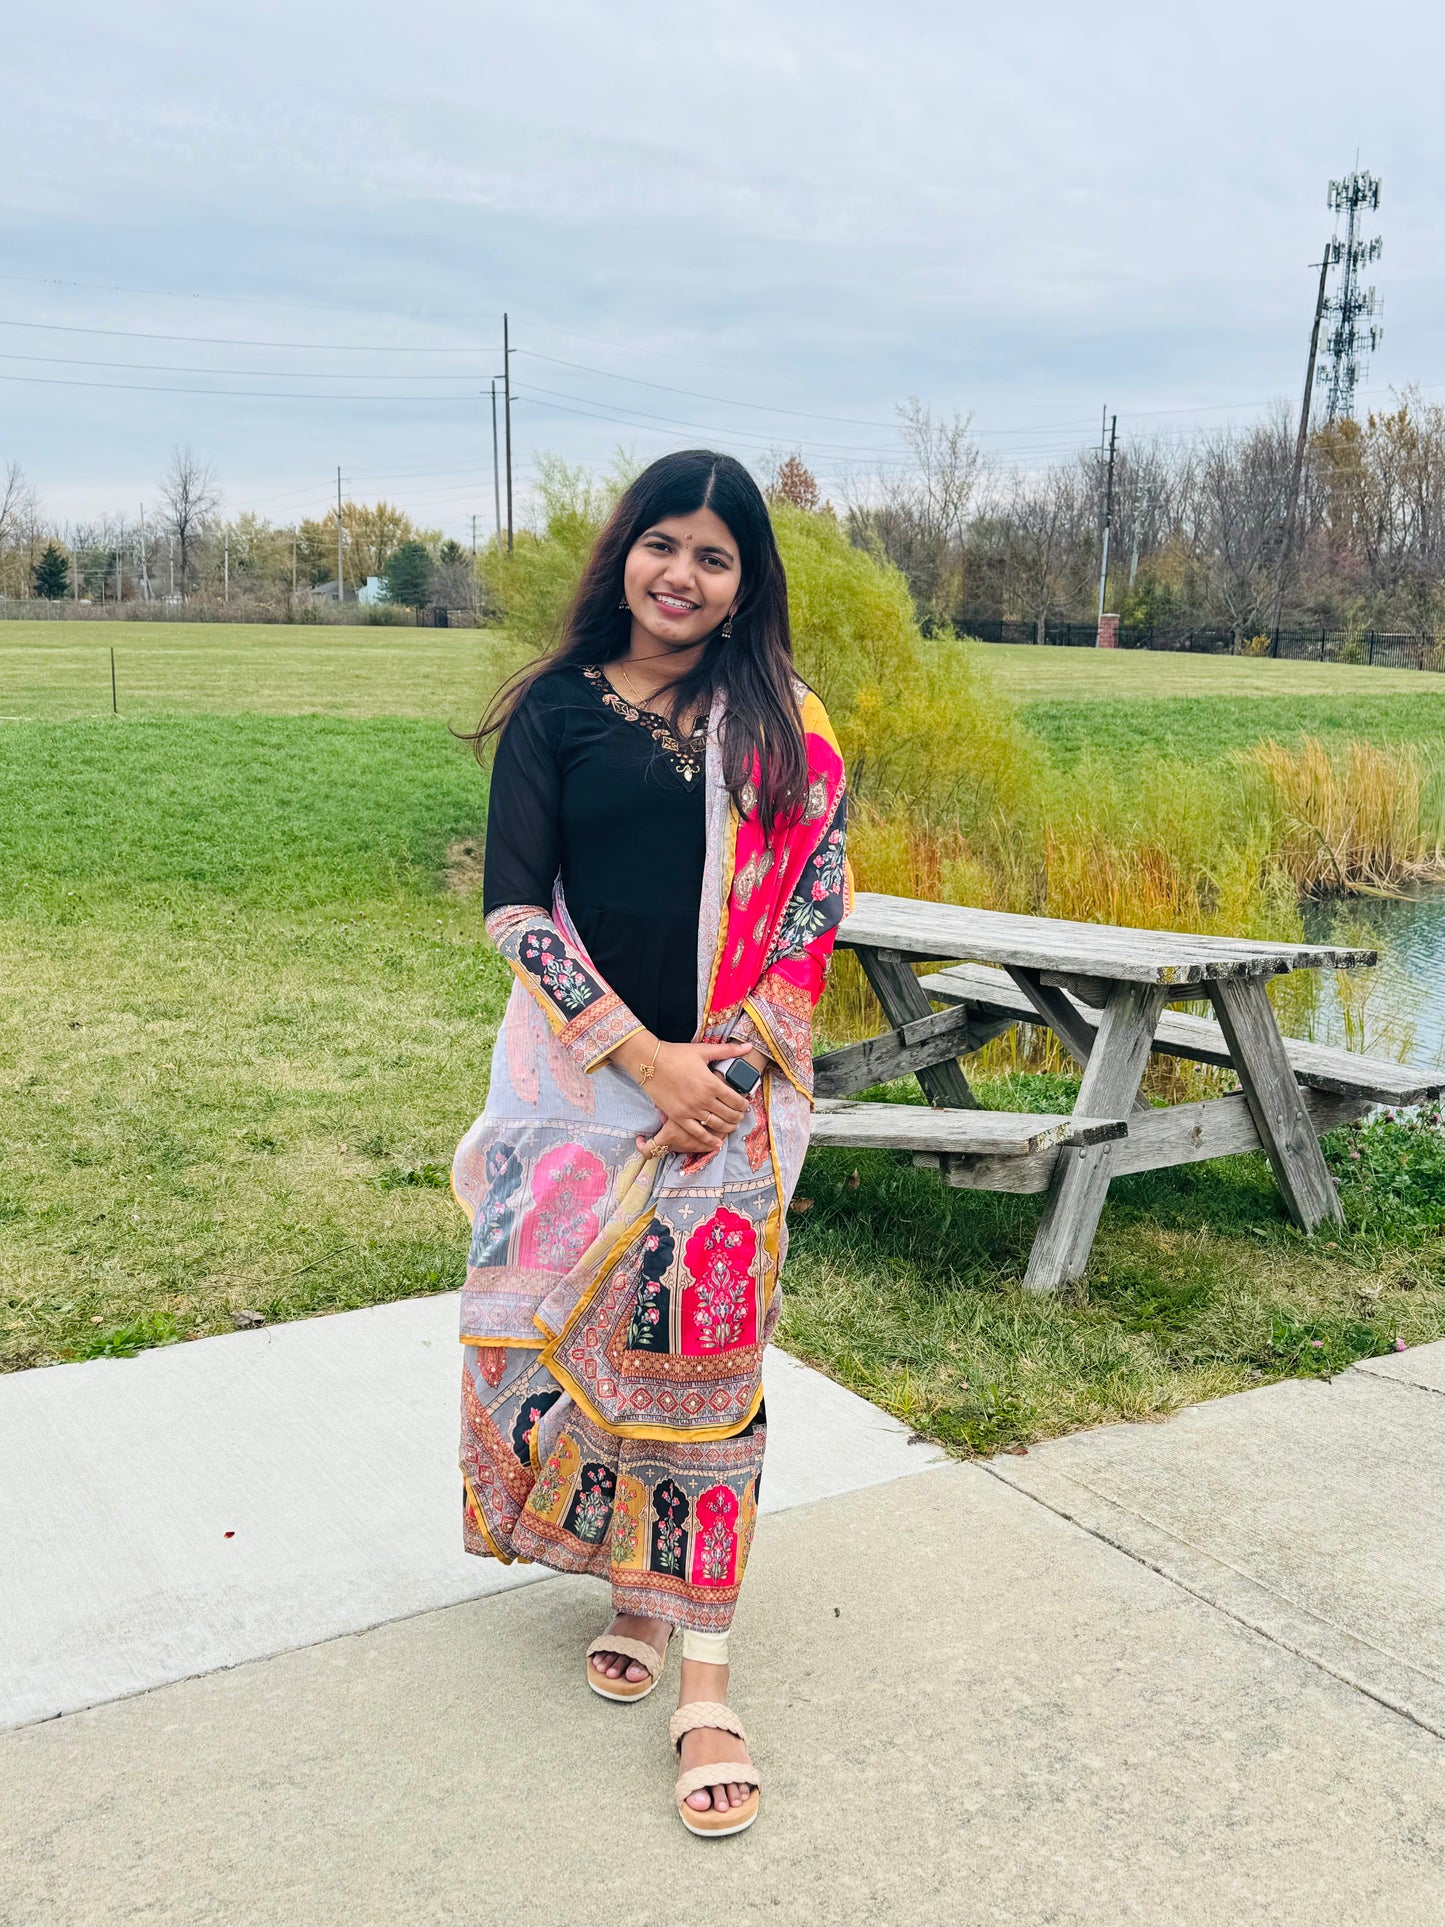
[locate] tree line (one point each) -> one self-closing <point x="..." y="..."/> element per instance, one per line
<point x="1207" y="532"/>
<point x="184" y="547"/>
<point x="1202" y="534"/>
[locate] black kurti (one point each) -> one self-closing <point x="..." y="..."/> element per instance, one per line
<point x="606" y="796"/>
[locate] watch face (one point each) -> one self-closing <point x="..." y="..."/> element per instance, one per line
<point x="741" y="1075"/>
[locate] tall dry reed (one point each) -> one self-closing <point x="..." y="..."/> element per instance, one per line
<point x="1364" y="820"/>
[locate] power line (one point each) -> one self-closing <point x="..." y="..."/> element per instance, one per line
<point x="767" y="408"/>
<point x="672" y="421"/>
<point x="233" y="341"/>
<point x="273" y="374"/>
<point x="189" y="294"/>
<point x="230" y="394"/>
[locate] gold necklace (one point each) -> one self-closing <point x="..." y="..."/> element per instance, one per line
<point x="632" y="687"/>
<point x="640" y="703"/>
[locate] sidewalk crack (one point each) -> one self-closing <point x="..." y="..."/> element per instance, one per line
<point x="1403" y="1384"/>
<point x="1392" y="1703"/>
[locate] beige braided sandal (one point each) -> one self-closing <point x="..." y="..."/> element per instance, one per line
<point x="713" y="1825"/>
<point x="654" y="1658"/>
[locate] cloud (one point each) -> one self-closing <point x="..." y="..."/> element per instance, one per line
<point x="807" y="206"/>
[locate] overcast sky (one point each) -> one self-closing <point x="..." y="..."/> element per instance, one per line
<point x="803" y="212"/>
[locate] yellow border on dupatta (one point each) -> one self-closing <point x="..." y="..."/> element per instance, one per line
<point x="700" y="1435"/>
<point x="502" y="1558"/>
<point x="466" y="1210"/>
<point x="730" y="858"/>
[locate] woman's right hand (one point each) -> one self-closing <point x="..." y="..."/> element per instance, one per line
<point x="699" y="1107"/>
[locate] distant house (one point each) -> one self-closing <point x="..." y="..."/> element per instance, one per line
<point x="326" y="592"/>
<point x="375" y="590"/>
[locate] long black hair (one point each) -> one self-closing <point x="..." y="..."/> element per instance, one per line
<point x="762" y="744"/>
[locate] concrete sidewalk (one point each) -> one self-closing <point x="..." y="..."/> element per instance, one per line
<point x="206" y="1504"/>
<point x="966" y="1711"/>
<point x="1183" y="1673"/>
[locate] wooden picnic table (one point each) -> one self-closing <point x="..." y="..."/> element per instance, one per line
<point x="1103" y="990"/>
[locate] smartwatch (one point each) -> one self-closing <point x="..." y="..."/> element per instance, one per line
<point x="741" y="1076"/>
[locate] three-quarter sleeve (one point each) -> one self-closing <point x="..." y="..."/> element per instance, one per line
<point x="523" y="857"/>
<point x="524" y="838"/>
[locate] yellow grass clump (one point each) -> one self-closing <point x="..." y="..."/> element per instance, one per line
<point x="1363" y="821"/>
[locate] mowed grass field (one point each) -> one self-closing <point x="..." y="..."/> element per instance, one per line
<point x="1127" y="703"/>
<point x="61" y="670"/>
<point x="248" y="1011"/>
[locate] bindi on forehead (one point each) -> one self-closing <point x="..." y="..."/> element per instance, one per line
<point x="686" y="539"/>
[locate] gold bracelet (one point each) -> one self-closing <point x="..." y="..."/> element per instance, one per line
<point x="648" y="1069"/>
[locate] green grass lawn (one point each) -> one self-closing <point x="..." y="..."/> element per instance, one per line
<point x="245" y="1022"/>
<point x="62" y="669"/>
<point x="1127" y="704"/>
<point x="1027" y="674"/>
<point x="246" y="1019"/>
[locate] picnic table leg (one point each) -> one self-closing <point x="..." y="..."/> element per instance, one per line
<point x="903" y="998"/>
<point x="1076" y="1036"/>
<point x="1276" y="1104"/>
<point x="1081" y="1177"/>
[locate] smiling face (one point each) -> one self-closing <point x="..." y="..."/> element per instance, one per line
<point x="682" y="579"/>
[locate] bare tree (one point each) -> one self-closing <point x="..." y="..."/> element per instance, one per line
<point x="1047" y="529"/>
<point x="916" y="513"/>
<point x="20" y="530"/>
<point x="1244" y="481"/>
<point x="17" y="505"/>
<point x="188" y="489"/>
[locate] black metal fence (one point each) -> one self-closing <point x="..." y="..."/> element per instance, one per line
<point x="241" y="610"/>
<point x="1383" y="648"/>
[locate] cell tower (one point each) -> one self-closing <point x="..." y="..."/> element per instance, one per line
<point x="1349" y="339"/>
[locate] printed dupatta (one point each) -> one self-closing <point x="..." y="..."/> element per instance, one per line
<point x="651" y="1285"/>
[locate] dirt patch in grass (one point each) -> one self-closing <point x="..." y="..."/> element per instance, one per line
<point x="464" y="867"/>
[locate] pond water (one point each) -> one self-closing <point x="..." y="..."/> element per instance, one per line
<point x="1403" y="1002"/>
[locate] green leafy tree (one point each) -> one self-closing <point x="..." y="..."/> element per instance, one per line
<point x="51" y="574"/>
<point x="408" y="575"/>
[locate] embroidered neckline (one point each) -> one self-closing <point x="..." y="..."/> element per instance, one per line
<point x="684" y="755"/>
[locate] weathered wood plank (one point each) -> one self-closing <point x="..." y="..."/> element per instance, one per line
<point x="1064" y="1018"/>
<point x="937" y="930"/>
<point x="919" y="1127"/>
<point x="1182" y="1034"/>
<point x="1180" y="1134"/>
<point x="1275" y="1101"/>
<point x="904" y="1001"/>
<point x="915" y="1046"/>
<point x="1093" y="991"/>
<point x="1080" y="1181"/>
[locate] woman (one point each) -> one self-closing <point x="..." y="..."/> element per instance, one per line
<point x="664" y="873"/>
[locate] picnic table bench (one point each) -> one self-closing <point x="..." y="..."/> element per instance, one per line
<point x="1104" y="992"/>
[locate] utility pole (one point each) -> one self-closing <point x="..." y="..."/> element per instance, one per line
<point x="119" y="580"/>
<point x="1108" y="512"/>
<point x="145" y="579"/>
<point x="293" y="562"/>
<point x="340" y="578"/>
<point x="507" y="397"/>
<point x="226" y="590"/>
<point x="1286" y="547"/>
<point x="171" y="554"/>
<point x="496" y="482"/>
<point x="1140" y="515"/>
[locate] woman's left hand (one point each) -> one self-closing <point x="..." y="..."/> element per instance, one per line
<point x="667" y="1138"/>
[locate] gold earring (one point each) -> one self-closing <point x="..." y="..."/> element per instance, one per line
<point x="727" y="628"/>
